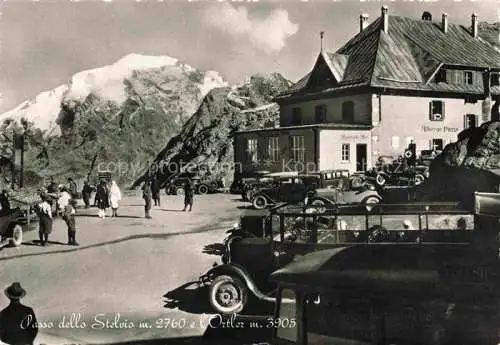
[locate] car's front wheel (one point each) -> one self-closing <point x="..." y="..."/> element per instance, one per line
<point x="419" y="179"/>
<point x="318" y="206"/>
<point x="17" y="236"/>
<point x="228" y="295"/>
<point x="259" y="202"/>
<point x="203" y="189"/>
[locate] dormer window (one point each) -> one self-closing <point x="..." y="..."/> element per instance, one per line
<point x="441" y="76"/>
<point x="469" y="77"/>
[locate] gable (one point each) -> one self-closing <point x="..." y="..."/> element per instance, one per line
<point x="321" y="76"/>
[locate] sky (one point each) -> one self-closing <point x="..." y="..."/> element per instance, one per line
<point x="43" y="43"/>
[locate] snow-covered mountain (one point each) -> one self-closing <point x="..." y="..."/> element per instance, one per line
<point x="133" y="75"/>
<point x="137" y="110"/>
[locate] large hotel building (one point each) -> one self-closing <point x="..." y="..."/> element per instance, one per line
<point x="398" y="80"/>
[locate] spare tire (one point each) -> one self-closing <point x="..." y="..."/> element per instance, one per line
<point x="17" y="236"/>
<point x="381" y="179"/>
<point x="356" y="181"/>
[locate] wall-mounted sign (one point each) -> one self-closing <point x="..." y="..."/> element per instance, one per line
<point x="443" y="129"/>
<point x="354" y="137"/>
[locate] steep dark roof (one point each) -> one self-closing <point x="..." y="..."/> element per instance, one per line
<point x="406" y="57"/>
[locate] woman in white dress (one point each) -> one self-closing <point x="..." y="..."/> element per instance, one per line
<point x="115" y="196"/>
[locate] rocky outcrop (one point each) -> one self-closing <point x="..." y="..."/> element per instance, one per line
<point x="470" y="164"/>
<point x="205" y="140"/>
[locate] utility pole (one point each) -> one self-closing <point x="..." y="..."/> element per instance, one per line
<point x="21" y="143"/>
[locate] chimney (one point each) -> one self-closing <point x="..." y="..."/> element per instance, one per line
<point x="444" y="23"/>
<point x="474" y="25"/>
<point x="385" y="19"/>
<point x="363" y="21"/>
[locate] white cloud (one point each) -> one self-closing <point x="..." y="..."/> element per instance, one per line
<point x="268" y="34"/>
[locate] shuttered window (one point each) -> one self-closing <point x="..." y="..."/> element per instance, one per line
<point x="436" y="110"/>
<point x="296" y="116"/>
<point x="320" y="113"/>
<point x="470" y="121"/>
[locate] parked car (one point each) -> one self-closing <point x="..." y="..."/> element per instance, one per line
<point x="442" y="292"/>
<point x="427" y="156"/>
<point x="261" y="244"/>
<point x="250" y="186"/>
<point x="11" y="230"/>
<point x="397" y="173"/>
<point x="203" y="185"/>
<point x="285" y="189"/>
<point x="237" y="185"/>
<point x="331" y="177"/>
<point x="343" y="193"/>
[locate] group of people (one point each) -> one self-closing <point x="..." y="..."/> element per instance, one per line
<point x="64" y="198"/>
<point x="67" y="204"/>
<point x="151" y="192"/>
<point x="107" y="196"/>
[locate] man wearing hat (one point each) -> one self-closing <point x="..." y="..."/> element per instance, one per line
<point x="18" y="325"/>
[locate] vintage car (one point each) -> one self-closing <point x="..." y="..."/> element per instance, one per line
<point x="251" y="185"/>
<point x="11" y="230"/>
<point x="427" y="156"/>
<point x="342" y="192"/>
<point x="425" y="292"/>
<point x="269" y="242"/>
<point x="397" y="174"/>
<point x="331" y="178"/>
<point x="105" y="175"/>
<point x="203" y="185"/>
<point x="236" y="186"/>
<point x="285" y="189"/>
<point x="325" y="178"/>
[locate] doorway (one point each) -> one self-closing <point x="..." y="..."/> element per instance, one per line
<point x="361" y="157"/>
<point x="437" y="144"/>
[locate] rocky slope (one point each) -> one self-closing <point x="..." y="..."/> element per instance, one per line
<point x="470" y="164"/>
<point x="115" y="117"/>
<point x="205" y="140"/>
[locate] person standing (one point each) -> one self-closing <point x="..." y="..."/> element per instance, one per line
<point x="115" y="196"/>
<point x="102" y="197"/>
<point x="87" y="193"/>
<point x="147" y="195"/>
<point x="64" y="198"/>
<point x="45" y="220"/>
<point x="4" y="202"/>
<point x="188" y="195"/>
<point x="155" y="190"/>
<point x="52" y="189"/>
<point x="69" y="219"/>
<point x="72" y="188"/>
<point x="18" y="324"/>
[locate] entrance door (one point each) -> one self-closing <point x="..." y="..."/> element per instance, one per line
<point x="361" y="156"/>
<point x="437" y="144"/>
<point x="470" y="121"/>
